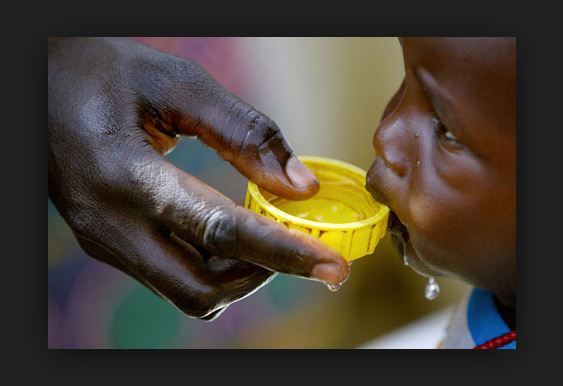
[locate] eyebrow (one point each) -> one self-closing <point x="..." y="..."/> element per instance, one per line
<point x="440" y="100"/>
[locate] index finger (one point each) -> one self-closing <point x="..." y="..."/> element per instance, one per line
<point x="184" y="99"/>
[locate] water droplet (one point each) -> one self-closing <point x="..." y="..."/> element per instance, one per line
<point x="333" y="287"/>
<point x="432" y="289"/>
<point x="418" y="163"/>
<point x="416" y="135"/>
<point x="405" y="260"/>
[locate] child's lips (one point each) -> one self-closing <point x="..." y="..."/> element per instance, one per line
<point x="396" y="227"/>
<point x="401" y="240"/>
<point x="399" y="233"/>
<point x="392" y="220"/>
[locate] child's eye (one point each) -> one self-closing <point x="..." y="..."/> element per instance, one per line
<point x="445" y="135"/>
<point x="449" y="136"/>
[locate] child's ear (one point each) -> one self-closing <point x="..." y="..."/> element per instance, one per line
<point x="394" y="102"/>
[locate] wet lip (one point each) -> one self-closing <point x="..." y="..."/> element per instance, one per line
<point x="392" y="220"/>
<point x="400" y="238"/>
<point x="399" y="234"/>
<point x="396" y="227"/>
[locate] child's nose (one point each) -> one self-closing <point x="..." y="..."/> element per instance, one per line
<point x="391" y="145"/>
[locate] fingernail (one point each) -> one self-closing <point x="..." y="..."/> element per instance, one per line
<point x="330" y="273"/>
<point x="299" y="175"/>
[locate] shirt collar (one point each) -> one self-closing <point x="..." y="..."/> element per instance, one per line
<point x="484" y="320"/>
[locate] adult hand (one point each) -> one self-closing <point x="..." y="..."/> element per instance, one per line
<point x="115" y="108"/>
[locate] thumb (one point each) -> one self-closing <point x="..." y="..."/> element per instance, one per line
<point x="185" y="98"/>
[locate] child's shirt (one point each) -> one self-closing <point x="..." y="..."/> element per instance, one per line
<point x="475" y="321"/>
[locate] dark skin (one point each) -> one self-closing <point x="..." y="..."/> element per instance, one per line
<point x="115" y="108"/>
<point x="446" y="162"/>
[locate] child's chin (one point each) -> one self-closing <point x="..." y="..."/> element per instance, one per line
<point x="422" y="269"/>
<point x="416" y="263"/>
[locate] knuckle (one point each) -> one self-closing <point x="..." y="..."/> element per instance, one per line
<point x="260" y="123"/>
<point x="268" y="131"/>
<point x="255" y="130"/>
<point x="220" y="232"/>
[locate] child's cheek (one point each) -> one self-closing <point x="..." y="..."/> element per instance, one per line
<point x="436" y="228"/>
<point x="423" y="216"/>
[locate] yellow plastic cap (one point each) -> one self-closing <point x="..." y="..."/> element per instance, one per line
<point x="343" y="214"/>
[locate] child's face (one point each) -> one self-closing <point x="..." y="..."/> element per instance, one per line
<point x="445" y="160"/>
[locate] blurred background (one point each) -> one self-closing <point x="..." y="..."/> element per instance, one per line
<point x="327" y="95"/>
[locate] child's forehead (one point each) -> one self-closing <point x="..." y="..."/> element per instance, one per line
<point x="478" y="74"/>
<point x="475" y="53"/>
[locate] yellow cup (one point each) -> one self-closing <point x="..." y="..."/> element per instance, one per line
<point x="343" y="214"/>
